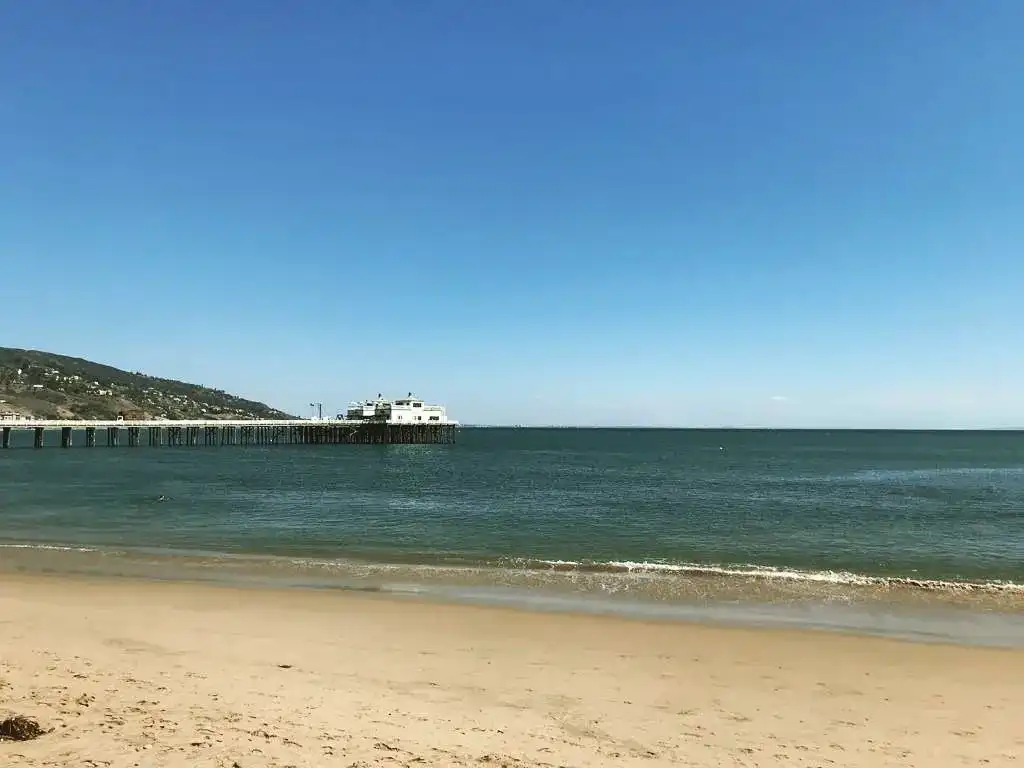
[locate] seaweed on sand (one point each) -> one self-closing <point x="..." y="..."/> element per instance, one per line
<point x="20" y="728"/>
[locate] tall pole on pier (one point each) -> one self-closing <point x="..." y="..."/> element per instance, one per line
<point x="320" y="410"/>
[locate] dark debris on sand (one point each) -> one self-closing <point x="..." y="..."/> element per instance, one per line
<point x="20" y="728"/>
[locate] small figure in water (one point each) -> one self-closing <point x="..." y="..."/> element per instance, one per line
<point x="162" y="498"/>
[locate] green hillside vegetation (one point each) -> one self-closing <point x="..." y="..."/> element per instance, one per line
<point x="50" y="386"/>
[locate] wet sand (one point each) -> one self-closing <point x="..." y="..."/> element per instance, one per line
<point x="134" y="673"/>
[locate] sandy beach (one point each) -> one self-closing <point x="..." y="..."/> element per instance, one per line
<point x="174" y="674"/>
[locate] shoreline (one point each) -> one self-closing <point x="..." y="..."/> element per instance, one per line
<point x="883" y="608"/>
<point x="178" y="674"/>
<point x="105" y="587"/>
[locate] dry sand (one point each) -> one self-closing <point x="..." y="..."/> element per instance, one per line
<point x="151" y="674"/>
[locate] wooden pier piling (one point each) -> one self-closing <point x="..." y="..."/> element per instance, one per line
<point x="6" y="437"/>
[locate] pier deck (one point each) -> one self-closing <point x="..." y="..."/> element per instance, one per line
<point x="209" y="432"/>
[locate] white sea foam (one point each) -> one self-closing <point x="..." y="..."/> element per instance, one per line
<point x="654" y="569"/>
<point x="52" y="547"/>
<point x="782" y="574"/>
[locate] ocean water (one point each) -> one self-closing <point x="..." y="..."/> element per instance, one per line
<point x="915" y="534"/>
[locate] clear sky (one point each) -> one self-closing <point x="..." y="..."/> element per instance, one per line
<point x="788" y="213"/>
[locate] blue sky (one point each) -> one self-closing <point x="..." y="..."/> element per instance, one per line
<point x="793" y="213"/>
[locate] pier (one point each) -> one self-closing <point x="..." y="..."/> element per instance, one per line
<point x="225" y="433"/>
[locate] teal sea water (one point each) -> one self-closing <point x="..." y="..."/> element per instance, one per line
<point x="913" y="533"/>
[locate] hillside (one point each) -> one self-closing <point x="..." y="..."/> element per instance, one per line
<point x="46" y="385"/>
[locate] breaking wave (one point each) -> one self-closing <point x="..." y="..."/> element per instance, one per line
<point x="424" y="564"/>
<point x="769" y="573"/>
<point x="50" y="547"/>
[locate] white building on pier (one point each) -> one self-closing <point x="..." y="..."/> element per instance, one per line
<point x="9" y="416"/>
<point x="404" y="410"/>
